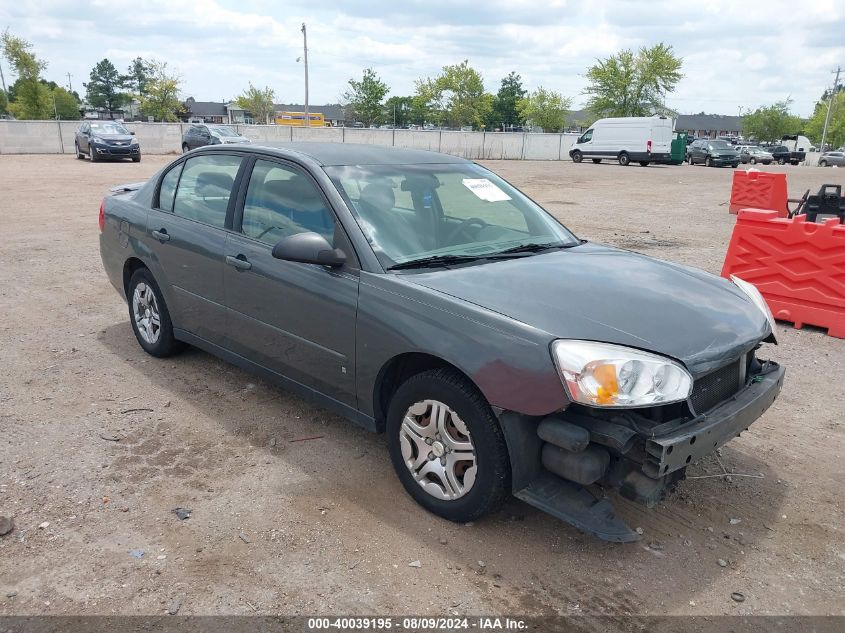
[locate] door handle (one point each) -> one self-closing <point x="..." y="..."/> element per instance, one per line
<point x="161" y="235"/>
<point x="240" y="262"/>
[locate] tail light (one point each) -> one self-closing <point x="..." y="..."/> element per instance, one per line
<point x="648" y="146"/>
<point x="102" y="219"/>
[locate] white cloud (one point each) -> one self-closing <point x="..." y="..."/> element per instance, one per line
<point x="736" y="54"/>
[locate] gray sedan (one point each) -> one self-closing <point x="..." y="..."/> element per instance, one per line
<point x="422" y="296"/>
<point x="830" y="159"/>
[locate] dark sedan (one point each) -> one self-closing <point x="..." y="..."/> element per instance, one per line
<point x="102" y="140"/>
<point x="421" y="295"/>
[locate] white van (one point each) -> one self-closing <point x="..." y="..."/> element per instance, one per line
<point x="640" y="139"/>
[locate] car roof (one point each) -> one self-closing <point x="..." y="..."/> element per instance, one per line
<point x="339" y="154"/>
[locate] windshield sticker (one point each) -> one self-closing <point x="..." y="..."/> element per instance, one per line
<point x="485" y="189"/>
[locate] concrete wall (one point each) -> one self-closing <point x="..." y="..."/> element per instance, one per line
<point x="50" y="137"/>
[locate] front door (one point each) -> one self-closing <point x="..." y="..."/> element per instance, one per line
<point x="187" y="236"/>
<point x="295" y="319"/>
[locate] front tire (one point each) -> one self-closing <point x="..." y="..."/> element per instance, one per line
<point x="136" y="159"/>
<point x="781" y="161"/>
<point x="447" y="447"/>
<point x="577" y="156"/>
<point x="822" y="163"/>
<point x="150" y="317"/>
<point x="185" y="148"/>
<point x="753" y="161"/>
<point x="624" y="159"/>
<point x="92" y="153"/>
<point x="708" y="162"/>
<point x="79" y="154"/>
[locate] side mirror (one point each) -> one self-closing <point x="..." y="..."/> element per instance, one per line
<point x="132" y="132"/>
<point x="309" y="248"/>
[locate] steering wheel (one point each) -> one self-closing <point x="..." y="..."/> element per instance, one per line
<point x="463" y="226"/>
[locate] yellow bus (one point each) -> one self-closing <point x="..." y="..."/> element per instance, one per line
<point x="315" y="119"/>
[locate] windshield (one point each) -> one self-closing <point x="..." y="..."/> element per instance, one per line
<point x="720" y="145"/>
<point x="108" y="128"/>
<point x="222" y="130"/>
<point x="414" y="212"/>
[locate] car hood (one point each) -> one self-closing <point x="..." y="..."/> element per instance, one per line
<point x="599" y="293"/>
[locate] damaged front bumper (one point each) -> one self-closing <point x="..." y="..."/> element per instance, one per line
<point x="556" y="470"/>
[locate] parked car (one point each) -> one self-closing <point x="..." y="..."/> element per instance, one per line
<point x="421" y="295"/>
<point x="832" y="159"/>
<point x="200" y="135"/>
<point x="753" y="155"/>
<point x="640" y="139"/>
<point x="782" y="154"/>
<point x="798" y="145"/>
<point x="102" y="140"/>
<point x="712" y="153"/>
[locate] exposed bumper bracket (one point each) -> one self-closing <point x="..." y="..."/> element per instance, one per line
<point x="574" y="504"/>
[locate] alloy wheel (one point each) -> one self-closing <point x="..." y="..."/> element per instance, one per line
<point x="437" y="450"/>
<point x="146" y="313"/>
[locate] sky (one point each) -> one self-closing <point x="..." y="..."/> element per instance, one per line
<point x="736" y="53"/>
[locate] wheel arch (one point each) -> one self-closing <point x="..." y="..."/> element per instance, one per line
<point x="399" y="369"/>
<point x="129" y="267"/>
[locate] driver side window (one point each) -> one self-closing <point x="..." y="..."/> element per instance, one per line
<point x="281" y="201"/>
<point x="586" y="137"/>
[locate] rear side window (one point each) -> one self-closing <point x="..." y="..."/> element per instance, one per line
<point x="168" y="188"/>
<point x="205" y="188"/>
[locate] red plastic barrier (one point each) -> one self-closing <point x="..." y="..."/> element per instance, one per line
<point x="759" y="190"/>
<point x="798" y="266"/>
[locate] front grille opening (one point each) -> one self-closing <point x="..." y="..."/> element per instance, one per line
<point x="716" y="387"/>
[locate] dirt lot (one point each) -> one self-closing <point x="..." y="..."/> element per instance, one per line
<point x="323" y="526"/>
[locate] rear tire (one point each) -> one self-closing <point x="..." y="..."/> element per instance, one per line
<point x="479" y="488"/>
<point x="150" y="317"/>
<point x="577" y="157"/>
<point x="624" y="159"/>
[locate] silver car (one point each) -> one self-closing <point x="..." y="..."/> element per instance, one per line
<point x="831" y="159"/>
<point x="753" y="155"/>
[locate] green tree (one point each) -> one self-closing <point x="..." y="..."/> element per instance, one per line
<point x="545" y="108"/>
<point x="633" y="84"/>
<point x="258" y="102"/>
<point x="836" y="129"/>
<point x="363" y="99"/>
<point x="160" y="98"/>
<point x="456" y="97"/>
<point x="106" y="87"/>
<point x="505" y="102"/>
<point x="399" y="110"/>
<point x="31" y="98"/>
<point x="66" y="105"/>
<point x="4" y="102"/>
<point x="139" y="74"/>
<point x="770" y="123"/>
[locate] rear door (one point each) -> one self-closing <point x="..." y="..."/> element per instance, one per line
<point x="295" y="319"/>
<point x="187" y="236"/>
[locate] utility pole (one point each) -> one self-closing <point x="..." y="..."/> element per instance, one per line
<point x="69" y="84"/>
<point x="829" y="108"/>
<point x="3" y="79"/>
<point x="305" y="59"/>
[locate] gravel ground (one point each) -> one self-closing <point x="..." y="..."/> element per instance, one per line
<point x="101" y="442"/>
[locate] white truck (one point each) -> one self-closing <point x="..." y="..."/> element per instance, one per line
<point x="643" y="140"/>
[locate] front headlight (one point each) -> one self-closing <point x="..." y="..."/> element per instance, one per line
<point x="756" y="298"/>
<point x="97" y="139"/>
<point x="605" y="375"/>
<point x="133" y="141"/>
